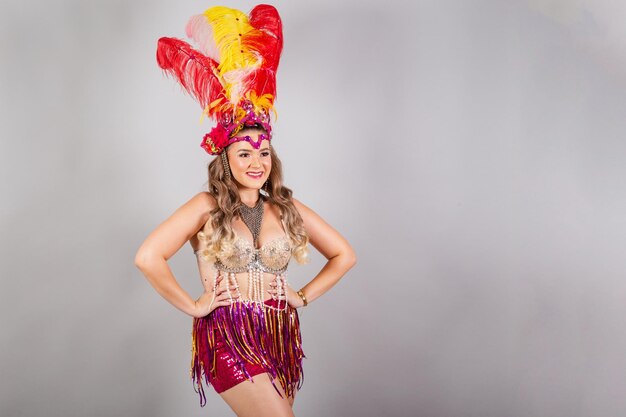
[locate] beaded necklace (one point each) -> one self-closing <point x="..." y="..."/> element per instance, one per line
<point x="252" y="217"/>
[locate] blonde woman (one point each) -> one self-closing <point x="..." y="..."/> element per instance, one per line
<point x="245" y="229"/>
<point x="249" y="360"/>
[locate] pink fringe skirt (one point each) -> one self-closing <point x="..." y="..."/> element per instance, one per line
<point x="234" y="343"/>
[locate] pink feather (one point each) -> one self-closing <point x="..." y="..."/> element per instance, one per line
<point x="201" y="32"/>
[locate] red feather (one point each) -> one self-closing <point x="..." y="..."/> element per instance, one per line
<point x="266" y="19"/>
<point x="196" y="72"/>
<point x="269" y="43"/>
<point x="263" y="81"/>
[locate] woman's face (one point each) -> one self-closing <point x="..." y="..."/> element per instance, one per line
<point x="250" y="167"/>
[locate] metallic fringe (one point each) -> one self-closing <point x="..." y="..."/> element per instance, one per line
<point x="255" y="333"/>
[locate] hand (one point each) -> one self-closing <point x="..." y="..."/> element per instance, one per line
<point x="293" y="299"/>
<point x="210" y="300"/>
<point x="280" y="292"/>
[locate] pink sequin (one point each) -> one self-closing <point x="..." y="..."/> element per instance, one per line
<point x="234" y="343"/>
<point x="228" y="372"/>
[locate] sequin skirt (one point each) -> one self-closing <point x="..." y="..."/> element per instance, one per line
<point x="233" y="343"/>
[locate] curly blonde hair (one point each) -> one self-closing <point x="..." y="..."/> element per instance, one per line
<point x="220" y="243"/>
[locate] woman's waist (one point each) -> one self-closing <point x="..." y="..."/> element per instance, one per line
<point x="255" y="287"/>
<point x="251" y="291"/>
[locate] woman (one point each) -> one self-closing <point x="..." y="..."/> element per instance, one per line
<point x="246" y="335"/>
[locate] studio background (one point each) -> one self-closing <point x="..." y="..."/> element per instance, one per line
<point x="471" y="151"/>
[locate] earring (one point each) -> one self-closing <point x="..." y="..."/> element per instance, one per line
<point x="265" y="187"/>
<point x="225" y="164"/>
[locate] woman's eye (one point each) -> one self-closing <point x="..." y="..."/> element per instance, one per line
<point x="245" y="155"/>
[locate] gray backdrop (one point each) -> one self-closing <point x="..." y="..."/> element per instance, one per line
<point x="471" y="151"/>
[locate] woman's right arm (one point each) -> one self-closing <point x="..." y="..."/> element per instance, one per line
<point x="164" y="242"/>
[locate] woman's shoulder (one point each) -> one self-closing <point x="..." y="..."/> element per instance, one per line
<point x="300" y="206"/>
<point x="205" y="201"/>
<point x="202" y="204"/>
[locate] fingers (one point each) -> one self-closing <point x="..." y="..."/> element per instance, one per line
<point x="225" y="292"/>
<point x="222" y="285"/>
<point x="224" y="299"/>
<point x="277" y="291"/>
<point x="277" y="295"/>
<point x="217" y="282"/>
<point x="278" y="288"/>
<point x="226" y="295"/>
<point x="222" y="290"/>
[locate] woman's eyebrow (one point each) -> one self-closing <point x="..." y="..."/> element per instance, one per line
<point x="248" y="150"/>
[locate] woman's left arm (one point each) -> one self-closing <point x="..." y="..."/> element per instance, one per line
<point x="333" y="246"/>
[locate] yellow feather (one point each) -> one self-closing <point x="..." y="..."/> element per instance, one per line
<point x="235" y="40"/>
<point x="230" y="27"/>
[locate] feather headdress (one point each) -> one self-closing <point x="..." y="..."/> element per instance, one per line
<point x="232" y="73"/>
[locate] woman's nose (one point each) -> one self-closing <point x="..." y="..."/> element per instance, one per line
<point x="256" y="161"/>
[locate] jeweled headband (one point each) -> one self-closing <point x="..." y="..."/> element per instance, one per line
<point x="233" y="72"/>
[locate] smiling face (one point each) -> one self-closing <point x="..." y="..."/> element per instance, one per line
<point x="250" y="167"/>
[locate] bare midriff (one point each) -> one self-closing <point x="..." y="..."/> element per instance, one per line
<point x="209" y="273"/>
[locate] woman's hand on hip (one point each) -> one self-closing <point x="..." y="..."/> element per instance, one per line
<point x="213" y="298"/>
<point x="293" y="299"/>
<point x="280" y="290"/>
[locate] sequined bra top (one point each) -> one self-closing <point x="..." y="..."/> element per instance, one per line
<point x="272" y="257"/>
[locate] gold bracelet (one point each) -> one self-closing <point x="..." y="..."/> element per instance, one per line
<point x="301" y="294"/>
